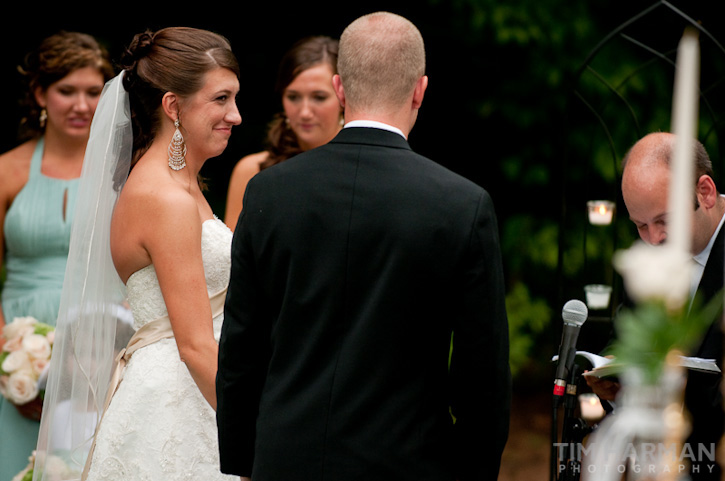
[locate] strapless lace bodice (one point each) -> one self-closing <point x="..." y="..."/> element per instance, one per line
<point x="144" y="294"/>
<point x="158" y="426"/>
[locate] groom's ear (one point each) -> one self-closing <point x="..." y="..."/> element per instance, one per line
<point x="339" y="90"/>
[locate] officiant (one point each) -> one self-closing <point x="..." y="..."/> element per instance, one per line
<point x="645" y="186"/>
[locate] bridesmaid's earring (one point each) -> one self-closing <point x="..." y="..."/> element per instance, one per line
<point x="43" y="118"/>
<point x="177" y="149"/>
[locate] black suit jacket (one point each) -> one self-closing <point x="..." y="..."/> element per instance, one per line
<point x="703" y="397"/>
<point x="352" y="264"/>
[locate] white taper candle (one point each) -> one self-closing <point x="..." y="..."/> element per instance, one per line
<point x="684" y="126"/>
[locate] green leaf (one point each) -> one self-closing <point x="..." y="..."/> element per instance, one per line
<point x="648" y="333"/>
<point x="43" y="329"/>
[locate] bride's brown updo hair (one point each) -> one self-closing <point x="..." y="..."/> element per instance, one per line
<point x="174" y="60"/>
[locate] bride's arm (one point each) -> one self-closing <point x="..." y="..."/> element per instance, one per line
<point x="173" y="241"/>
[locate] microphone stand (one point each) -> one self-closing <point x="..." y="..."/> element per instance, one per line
<point x="566" y="461"/>
<point x="554" y="456"/>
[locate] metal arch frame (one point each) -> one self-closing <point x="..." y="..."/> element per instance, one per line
<point x="614" y="90"/>
<point x="601" y="122"/>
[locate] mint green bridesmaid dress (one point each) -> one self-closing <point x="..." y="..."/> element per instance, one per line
<point x="37" y="235"/>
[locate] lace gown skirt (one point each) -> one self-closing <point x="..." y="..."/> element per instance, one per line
<point x="159" y="426"/>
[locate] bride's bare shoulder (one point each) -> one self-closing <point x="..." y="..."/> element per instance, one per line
<point x="156" y="196"/>
<point x="151" y="215"/>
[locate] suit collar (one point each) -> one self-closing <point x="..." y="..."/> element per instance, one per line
<point x="712" y="276"/>
<point x="370" y="136"/>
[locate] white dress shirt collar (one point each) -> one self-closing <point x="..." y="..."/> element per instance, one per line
<point x="701" y="259"/>
<point x="374" y="124"/>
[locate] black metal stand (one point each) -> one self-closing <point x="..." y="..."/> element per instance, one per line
<point x="566" y="454"/>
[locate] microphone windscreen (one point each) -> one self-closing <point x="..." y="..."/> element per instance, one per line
<point x="574" y="312"/>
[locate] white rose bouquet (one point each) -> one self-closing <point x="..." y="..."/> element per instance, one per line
<point x="24" y="358"/>
<point x="56" y="469"/>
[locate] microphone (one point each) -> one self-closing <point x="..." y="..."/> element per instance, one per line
<point x="574" y="315"/>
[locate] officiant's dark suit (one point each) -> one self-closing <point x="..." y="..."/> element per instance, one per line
<point x="645" y="183"/>
<point x="703" y="395"/>
<point x="352" y="265"/>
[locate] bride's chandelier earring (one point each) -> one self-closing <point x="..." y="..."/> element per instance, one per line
<point x="177" y="149"/>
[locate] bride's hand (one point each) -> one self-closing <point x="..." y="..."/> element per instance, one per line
<point x="245" y="479"/>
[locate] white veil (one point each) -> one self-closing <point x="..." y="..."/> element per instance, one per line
<point x="93" y="323"/>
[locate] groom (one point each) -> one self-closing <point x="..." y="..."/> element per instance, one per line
<point x="352" y="265"/>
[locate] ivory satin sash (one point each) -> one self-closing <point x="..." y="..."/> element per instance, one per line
<point x="149" y="333"/>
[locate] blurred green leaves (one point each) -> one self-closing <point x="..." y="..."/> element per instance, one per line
<point x="527" y="319"/>
<point x="648" y="333"/>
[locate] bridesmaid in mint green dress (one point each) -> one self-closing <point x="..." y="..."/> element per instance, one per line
<point x="38" y="184"/>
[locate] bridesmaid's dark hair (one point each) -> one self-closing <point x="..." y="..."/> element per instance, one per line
<point x="174" y="60"/>
<point x="56" y="57"/>
<point x="308" y="52"/>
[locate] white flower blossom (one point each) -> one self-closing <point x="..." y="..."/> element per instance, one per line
<point x="20" y="327"/>
<point x="36" y="346"/>
<point x="655" y="273"/>
<point x="39" y="366"/>
<point x="16" y="361"/>
<point x="14" y="344"/>
<point x="22" y="388"/>
<point x="56" y="469"/>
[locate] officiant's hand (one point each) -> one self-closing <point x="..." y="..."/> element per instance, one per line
<point x="31" y="410"/>
<point x="605" y="389"/>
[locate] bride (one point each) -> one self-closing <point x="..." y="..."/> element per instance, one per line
<point x="159" y="237"/>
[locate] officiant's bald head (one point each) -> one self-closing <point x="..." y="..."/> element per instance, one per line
<point x="645" y="187"/>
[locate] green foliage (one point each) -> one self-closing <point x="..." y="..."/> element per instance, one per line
<point x="648" y="333"/>
<point x="529" y="242"/>
<point x="3" y="356"/>
<point x="43" y="329"/>
<point x="527" y="319"/>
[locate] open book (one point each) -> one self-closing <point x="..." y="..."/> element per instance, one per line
<point x="604" y="366"/>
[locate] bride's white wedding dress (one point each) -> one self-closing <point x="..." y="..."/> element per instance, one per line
<point x="158" y="425"/>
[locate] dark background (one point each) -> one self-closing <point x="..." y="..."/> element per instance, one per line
<point x="259" y="33"/>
